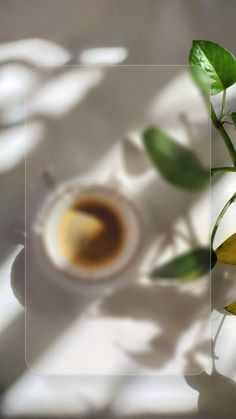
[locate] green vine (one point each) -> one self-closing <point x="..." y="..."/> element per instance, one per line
<point x="213" y="69"/>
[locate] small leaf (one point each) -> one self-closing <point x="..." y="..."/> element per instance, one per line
<point x="188" y="266"/>
<point x="177" y="164"/>
<point x="231" y="308"/>
<point x="226" y="252"/>
<point x="218" y="63"/>
<point x="233" y="117"/>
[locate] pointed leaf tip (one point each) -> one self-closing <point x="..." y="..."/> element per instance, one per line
<point x="188" y="266"/>
<point x="231" y="308"/>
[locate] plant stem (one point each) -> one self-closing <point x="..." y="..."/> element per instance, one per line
<point x="215" y="340"/>
<point x="223" y="105"/>
<point x="222" y="213"/>
<point x="219" y="126"/>
<point x="215" y="170"/>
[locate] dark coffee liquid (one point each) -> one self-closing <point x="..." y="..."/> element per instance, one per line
<point x="106" y="246"/>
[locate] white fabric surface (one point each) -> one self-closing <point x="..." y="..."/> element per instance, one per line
<point x="153" y="32"/>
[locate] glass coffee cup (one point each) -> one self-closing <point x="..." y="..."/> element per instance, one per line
<point x="89" y="235"/>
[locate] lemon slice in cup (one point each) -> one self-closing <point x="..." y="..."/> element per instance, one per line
<point x="75" y="230"/>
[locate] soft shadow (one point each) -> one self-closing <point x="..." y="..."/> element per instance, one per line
<point x="12" y="358"/>
<point x="82" y="125"/>
<point x="107" y="414"/>
<point x="216" y="393"/>
<point x="170" y="307"/>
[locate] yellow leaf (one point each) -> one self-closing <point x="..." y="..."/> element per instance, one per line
<point x="231" y="308"/>
<point x="226" y="252"/>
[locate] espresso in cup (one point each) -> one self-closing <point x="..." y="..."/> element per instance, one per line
<point x="92" y="233"/>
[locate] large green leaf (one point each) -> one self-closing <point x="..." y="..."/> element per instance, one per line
<point x="218" y="63"/>
<point x="231" y="308"/>
<point x="177" y="164"/>
<point x="188" y="266"/>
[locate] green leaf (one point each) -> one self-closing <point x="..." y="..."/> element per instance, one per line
<point x="231" y="308"/>
<point x="177" y="164"/>
<point x="226" y="252"/>
<point x="188" y="266"/>
<point x="218" y="63"/>
<point x="233" y="117"/>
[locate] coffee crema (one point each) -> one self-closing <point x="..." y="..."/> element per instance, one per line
<point x="91" y="233"/>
